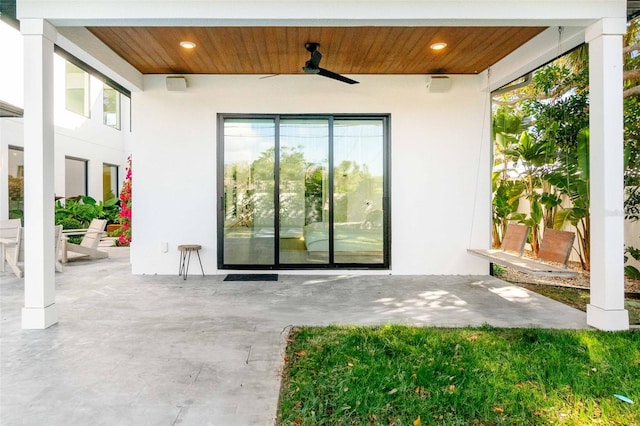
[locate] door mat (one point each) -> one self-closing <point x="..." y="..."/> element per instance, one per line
<point x="251" y="277"/>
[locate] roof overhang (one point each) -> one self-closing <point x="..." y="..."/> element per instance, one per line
<point x="359" y="37"/>
<point x="8" y="110"/>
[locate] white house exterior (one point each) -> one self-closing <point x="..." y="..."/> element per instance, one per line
<point x="436" y="197"/>
<point x="83" y="141"/>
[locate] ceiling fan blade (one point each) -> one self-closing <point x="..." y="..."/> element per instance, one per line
<point x="326" y="73"/>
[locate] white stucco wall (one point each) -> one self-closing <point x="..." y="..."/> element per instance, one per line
<point x="11" y="69"/>
<point x="438" y="142"/>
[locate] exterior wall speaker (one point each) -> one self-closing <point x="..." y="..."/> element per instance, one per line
<point x="176" y="84"/>
<point x="438" y="83"/>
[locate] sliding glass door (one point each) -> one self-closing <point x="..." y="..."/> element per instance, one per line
<point x="303" y="191"/>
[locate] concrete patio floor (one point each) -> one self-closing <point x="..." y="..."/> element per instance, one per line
<point x="158" y="350"/>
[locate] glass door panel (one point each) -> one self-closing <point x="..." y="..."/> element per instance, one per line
<point x="303" y="195"/>
<point x="358" y="191"/>
<point x="249" y="183"/>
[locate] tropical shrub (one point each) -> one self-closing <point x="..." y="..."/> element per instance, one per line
<point x="630" y="270"/>
<point x="546" y="163"/>
<point x="85" y="209"/>
<point x="69" y="223"/>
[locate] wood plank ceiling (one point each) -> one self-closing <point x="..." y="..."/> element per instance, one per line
<point x="346" y="50"/>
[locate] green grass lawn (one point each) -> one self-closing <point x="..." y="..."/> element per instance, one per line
<point x="398" y="375"/>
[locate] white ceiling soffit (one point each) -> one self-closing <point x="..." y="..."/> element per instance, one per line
<point x="327" y="12"/>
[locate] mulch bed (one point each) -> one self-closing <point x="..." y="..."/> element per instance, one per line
<point x="631" y="286"/>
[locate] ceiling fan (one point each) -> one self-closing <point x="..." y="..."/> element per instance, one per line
<point x="312" y="66"/>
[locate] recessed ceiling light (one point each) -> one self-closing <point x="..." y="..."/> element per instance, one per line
<point x="187" y="44"/>
<point x="438" y="46"/>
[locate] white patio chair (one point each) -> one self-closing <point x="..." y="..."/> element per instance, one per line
<point x="14" y="252"/>
<point x="9" y="238"/>
<point x="58" y="246"/>
<point x="88" y="247"/>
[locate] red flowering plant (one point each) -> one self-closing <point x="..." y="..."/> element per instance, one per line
<point x="125" y="208"/>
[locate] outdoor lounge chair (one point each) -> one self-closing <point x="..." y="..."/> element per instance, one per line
<point x="9" y="228"/>
<point x="553" y="255"/>
<point x="58" y="245"/>
<point x="14" y="252"/>
<point x="88" y="247"/>
<point x="9" y="239"/>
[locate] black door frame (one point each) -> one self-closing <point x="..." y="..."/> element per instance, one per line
<point x="386" y="199"/>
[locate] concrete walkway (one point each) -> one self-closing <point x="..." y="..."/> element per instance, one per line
<point x="157" y="350"/>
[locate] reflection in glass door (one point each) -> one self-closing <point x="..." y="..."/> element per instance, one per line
<point x="303" y="192"/>
<point x="358" y="191"/>
<point x="304" y="184"/>
<point x="249" y="182"/>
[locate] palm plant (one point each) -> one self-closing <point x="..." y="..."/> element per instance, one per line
<point x="532" y="156"/>
<point x="571" y="178"/>
<point x="506" y="189"/>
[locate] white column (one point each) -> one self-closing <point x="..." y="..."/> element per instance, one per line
<point x="606" y="310"/>
<point x="39" y="310"/>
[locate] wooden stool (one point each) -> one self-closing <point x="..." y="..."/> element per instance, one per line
<point x="185" y="258"/>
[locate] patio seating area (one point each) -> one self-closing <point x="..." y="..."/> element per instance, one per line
<point x="12" y="246"/>
<point x="151" y="349"/>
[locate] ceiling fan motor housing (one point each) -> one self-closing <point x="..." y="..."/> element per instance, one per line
<point x="311" y="47"/>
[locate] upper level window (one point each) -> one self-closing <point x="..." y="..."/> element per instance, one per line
<point x="111" y="107"/>
<point x="77" y="90"/>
